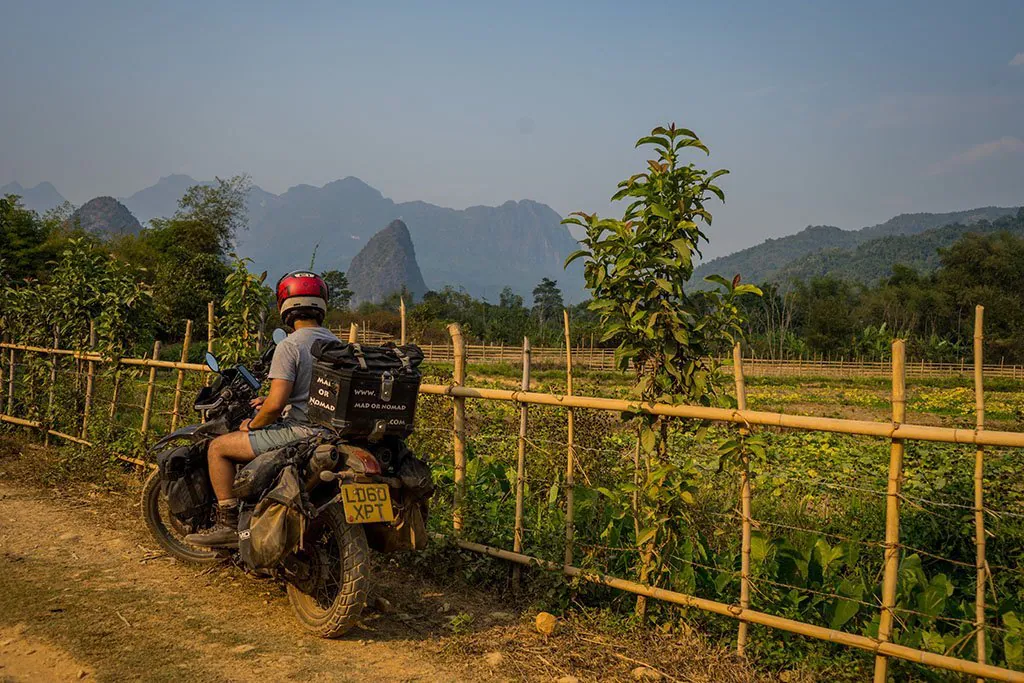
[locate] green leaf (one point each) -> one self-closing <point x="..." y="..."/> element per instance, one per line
<point x="844" y="610"/>
<point x="646" y="535"/>
<point x="575" y="255"/>
<point x="653" y="140"/>
<point x="718" y="280"/>
<point x="647" y="439"/>
<point x="660" y="211"/>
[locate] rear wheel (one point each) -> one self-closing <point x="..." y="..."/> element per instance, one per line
<point x="167" y="530"/>
<point x="330" y="600"/>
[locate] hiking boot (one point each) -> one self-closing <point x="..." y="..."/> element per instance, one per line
<point x="223" y="534"/>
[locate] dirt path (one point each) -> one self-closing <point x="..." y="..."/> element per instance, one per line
<point x="85" y="595"/>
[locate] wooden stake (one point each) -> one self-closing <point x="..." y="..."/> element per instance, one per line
<point x="90" y="380"/>
<point x="517" y="542"/>
<point x="640" y="608"/>
<point x="114" y="393"/>
<point x="209" y="340"/>
<point x="353" y="334"/>
<point x="53" y="385"/>
<point x="459" y="427"/>
<point x="10" y="384"/>
<point x="401" y="310"/>
<point x="175" y="415"/>
<point x="741" y="403"/>
<point x="892" y="509"/>
<point x="570" y="452"/>
<point x="150" y="389"/>
<point x="979" y="499"/>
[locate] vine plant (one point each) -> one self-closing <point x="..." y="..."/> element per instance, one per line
<point x="638" y="270"/>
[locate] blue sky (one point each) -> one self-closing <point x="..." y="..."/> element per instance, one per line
<point x="844" y="114"/>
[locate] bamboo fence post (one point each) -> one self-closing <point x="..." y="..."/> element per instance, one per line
<point x="181" y="375"/>
<point x="353" y="333"/>
<point x="90" y="379"/>
<point x="116" y="391"/>
<point x="517" y="542"/>
<point x="979" y="500"/>
<point x="459" y="427"/>
<point x="53" y="384"/>
<point x="741" y="403"/>
<point x="892" y="509"/>
<point x="570" y="451"/>
<point x="10" y="385"/>
<point x="150" y="389"/>
<point x="640" y="607"/>
<point x="401" y="310"/>
<point x="209" y="341"/>
<point x="3" y="382"/>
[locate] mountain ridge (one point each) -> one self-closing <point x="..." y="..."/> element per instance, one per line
<point x="766" y="262"/>
<point x="105" y="216"/>
<point x="385" y="265"/>
<point x="40" y="198"/>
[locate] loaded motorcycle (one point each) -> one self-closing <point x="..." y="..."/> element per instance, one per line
<point x="309" y="512"/>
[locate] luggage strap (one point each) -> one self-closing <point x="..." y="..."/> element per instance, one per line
<point x="358" y="351"/>
<point x="402" y="357"/>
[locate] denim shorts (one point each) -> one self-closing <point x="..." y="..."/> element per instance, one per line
<point x="280" y="434"/>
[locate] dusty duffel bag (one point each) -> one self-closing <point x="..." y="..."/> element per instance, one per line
<point x="185" y="482"/>
<point x="364" y="392"/>
<point x="276" y="525"/>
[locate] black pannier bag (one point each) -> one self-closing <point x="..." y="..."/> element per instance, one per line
<point x="185" y="482"/>
<point x="257" y="476"/>
<point x="365" y="391"/>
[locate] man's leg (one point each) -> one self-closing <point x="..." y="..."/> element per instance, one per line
<point x="223" y="453"/>
<point x="221" y="456"/>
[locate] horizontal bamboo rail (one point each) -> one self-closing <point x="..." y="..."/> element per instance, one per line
<point x="885" y="430"/>
<point x="754" y="617"/>
<point x="100" y="358"/>
<point x="39" y="425"/>
<point x="603" y="359"/>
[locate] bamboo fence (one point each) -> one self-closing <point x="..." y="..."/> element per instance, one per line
<point x="896" y="431"/>
<point x="603" y="359"/>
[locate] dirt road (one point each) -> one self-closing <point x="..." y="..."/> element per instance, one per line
<point x="84" y="594"/>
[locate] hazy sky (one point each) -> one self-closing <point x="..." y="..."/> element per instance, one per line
<point x="825" y="112"/>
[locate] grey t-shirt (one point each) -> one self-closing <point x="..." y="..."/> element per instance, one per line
<point x="294" y="362"/>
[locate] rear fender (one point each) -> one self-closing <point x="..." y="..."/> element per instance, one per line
<point x="359" y="460"/>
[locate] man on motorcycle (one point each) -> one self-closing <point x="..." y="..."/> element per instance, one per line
<point x="302" y="302"/>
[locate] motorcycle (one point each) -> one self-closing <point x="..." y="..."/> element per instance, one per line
<point x="309" y="512"/>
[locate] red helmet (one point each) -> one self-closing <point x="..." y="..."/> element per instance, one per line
<point x="301" y="290"/>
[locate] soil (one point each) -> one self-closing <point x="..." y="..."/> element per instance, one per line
<point x="85" y="594"/>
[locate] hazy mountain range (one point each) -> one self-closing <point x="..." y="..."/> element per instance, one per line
<point x="40" y="198"/>
<point x="481" y="249"/>
<point x="485" y="248"/>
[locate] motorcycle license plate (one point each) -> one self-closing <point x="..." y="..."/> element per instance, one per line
<point x="366" y="503"/>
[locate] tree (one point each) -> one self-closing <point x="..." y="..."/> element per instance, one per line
<point x="507" y="322"/>
<point x="637" y="269"/>
<point x="186" y="255"/>
<point x="22" y="240"/>
<point x="547" y="301"/>
<point x="337" y="284"/>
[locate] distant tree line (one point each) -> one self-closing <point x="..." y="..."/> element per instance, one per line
<point x="934" y="312"/>
<point x="184" y="262"/>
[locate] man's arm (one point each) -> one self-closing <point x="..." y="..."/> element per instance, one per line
<point x="273" y="405"/>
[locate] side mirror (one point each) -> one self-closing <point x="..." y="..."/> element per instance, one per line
<point x="211" y="362"/>
<point x="279" y="335"/>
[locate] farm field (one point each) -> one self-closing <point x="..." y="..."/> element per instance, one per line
<point x="818" y="506"/>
